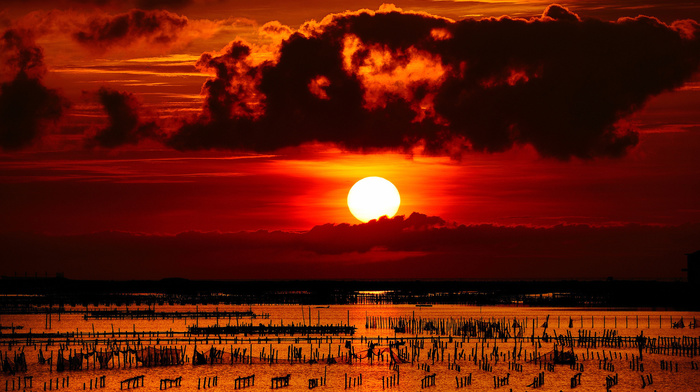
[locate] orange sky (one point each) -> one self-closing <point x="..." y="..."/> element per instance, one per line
<point x="115" y="118"/>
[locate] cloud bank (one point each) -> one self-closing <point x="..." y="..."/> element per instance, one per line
<point x="414" y="247"/>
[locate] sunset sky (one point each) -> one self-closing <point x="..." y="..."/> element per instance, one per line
<point x="218" y="139"/>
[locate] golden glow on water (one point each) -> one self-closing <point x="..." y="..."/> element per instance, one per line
<point x="365" y="317"/>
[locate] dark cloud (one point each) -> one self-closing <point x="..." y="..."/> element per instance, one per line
<point x="124" y="124"/>
<point x="381" y="233"/>
<point x="157" y="27"/>
<point x="229" y="102"/>
<point x="392" y="80"/>
<point x="417" y="247"/>
<point x="163" y="4"/>
<point x="271" y="106"/>
<point x="26" y="105"/>
<point x="21" y="54"/>
<point x="557" y="12"/>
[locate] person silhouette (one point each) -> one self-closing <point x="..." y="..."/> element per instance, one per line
<point x="641" y="343"/>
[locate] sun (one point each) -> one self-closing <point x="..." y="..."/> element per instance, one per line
<point x="373" y="197"/>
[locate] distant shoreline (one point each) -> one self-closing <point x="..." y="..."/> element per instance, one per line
<point x="60" y="291"/>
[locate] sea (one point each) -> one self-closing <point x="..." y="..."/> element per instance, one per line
<point x="414" y="348"/>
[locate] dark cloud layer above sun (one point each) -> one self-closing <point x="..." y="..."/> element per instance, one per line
<point x="369" y="80"/>
<point x="416" y="247"/>
<point x="398" y="80"/>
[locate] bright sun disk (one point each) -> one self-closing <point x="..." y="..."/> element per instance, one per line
<point x="373" y="197"/>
